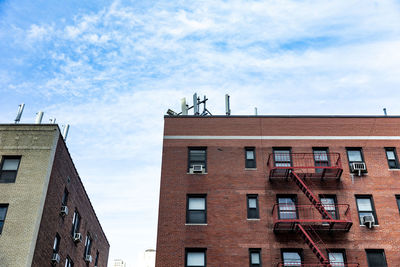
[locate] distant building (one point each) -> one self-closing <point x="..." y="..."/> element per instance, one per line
<point x="46" y="217"/>
<point x="119" y="263"/>
<point x="150" y="258"/>
<point x="309" y="191"/>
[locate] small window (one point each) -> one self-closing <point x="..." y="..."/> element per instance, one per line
<point x="391" y="156"/>
<point x="252" y="207"/>
<point x="321" y="159"/>
<point x="88" y="245"/>
<point x="195" y="257"/>
<point x="197" y="156"/>
<point x="365" y="207"/>
<point x="282" y="157"/>
<point x="64" y="200"/>
<point x="196" y="209"/>
<point x="9" y="168"/>
<point x="250" y="156"/>
<point x="337" y="258"/>
<point x="376" y="258"/>
<point x="330" y="205"/>
<point x="255" y="257"/>
<point x="398" y="201"/>
<point x="56" y="244"/>
<point x="69" y="262"/>
<point x="292" y="257"/>
<point x="287" y="207"/>
<point x="76" y="221"/>
<point x="96" y="262"/>
<point x="3" y="213"/>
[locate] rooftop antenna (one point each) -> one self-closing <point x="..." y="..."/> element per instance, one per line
<point x="39" y="117"/>
<point x="196" y="105"/>
<point x="255" y="111"/>
<point x="65" y="132"/>
<point x="184" y="106"/>
<point x="384" y="111"/>
<point x="19" y="113"/>
<point x="227" y="105"/>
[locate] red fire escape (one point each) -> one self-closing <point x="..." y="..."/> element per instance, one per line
<point x="307" y="220"/>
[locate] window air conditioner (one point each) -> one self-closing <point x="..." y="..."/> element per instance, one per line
<point x="197" y="169"/>
<point x="64" y="210"/>
<point x="88" y="258"/>
<point x="55" y="258"/>
<point x="77" y="237"/>
<point x="368" y="220"/>
<point x="358" y="167"/>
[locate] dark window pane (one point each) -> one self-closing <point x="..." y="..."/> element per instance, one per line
<point x="197" y="217"/>
<point x="8" y="176"/>
<point x="376" y="258"/>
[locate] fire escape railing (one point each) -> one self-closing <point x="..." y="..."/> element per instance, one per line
<point x="333" y="264"/>
<point x="298" y="167"/>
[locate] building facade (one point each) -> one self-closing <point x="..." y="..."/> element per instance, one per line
<point x="46" y="218"/>
<point x="279" y="191"/>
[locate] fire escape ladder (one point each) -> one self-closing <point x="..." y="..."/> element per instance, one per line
<point x="306" y="235"/>
<point x="316" y="203"/>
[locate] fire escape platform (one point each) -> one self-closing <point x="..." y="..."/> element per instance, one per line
<point x="295" y="264"/>
<point x="282" y="226"/>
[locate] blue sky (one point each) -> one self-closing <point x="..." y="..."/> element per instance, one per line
<point x="112" y="68"/>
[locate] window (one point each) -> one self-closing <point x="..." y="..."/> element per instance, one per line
<point x="365" y="207"/>
<point x="321" y="159"/>
<point x="197" y="156"/>
<point x="252" y="207"/>
<point x="196" y="209"/>
<point x="9" y="168"/>
<point x="255" y="257"/>
<point x="88" y="245"/>
<point x="195" y="257"/>
<point x="282" y="157"/>
<point x="96" y="261"/>
<point x="355" y="155"/>
<point x="76" y="221"/>
<point x="3" y="212"/>
<point x="292" y="257"/>
<point x="337" y="258"/>
<point x="391" y="156"/>
<point x="250" y="155"/>
<point x="287" y="207"/>
<point x="69" y="262"/>
<point x="330" y="205"/>
<point x="398" y="201"/>
<point x="64" y="200"/>
<point x="56" y="244"/>
<point x="376" y="258"/>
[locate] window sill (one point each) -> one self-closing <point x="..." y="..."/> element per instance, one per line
<point x="376" y="225"/>
<point x="394" y="169"/>
<point x="250" y="169"/>
<point x="196" y="224"/>
<point x="197" y="173"/>
<point x="253" y="219"/>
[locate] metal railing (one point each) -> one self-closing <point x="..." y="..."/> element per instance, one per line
<point x="296" y="264"/>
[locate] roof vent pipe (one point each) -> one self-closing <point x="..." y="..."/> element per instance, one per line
<point x="384" y="111"/>
<point x="227" y="105"/>
<point x="19" y="113"/>
<point x="39" y="117"/>
<point x="255" y="111"/>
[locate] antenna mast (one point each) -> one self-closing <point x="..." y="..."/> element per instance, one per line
<point x="19" y="113"/>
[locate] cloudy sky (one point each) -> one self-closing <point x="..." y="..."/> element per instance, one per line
<point x="112" y="68"/>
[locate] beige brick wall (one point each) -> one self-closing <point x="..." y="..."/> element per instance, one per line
<point x="36" y="145"/>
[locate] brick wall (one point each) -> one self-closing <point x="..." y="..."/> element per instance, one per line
<point x="53" y="223"/>
<point x="228" y="234"/>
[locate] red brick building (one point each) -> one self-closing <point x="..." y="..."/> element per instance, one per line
<point x="279" y="191"/>
<point x="46" y="218"/>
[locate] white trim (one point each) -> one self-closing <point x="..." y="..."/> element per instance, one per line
<point x="196" y="224"/>
<point x="280" y="137"/>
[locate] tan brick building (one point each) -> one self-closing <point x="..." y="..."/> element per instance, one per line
<point x="280" y="191"/>
<point x="46" y="218"/>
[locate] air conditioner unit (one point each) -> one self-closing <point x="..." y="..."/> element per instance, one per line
<point x="197" y="169"/>
<point x="64" y="210"/>
<point x="77" y="237"/>
<point x="88" y="258"/>
<point x="368" y="220"/>
<point x="358" y="167"/>
<point x="55" y="258"/>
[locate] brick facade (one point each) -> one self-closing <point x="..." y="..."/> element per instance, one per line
<point x="228" y="234"/>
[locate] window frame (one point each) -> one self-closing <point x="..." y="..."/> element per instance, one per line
<point x="337" y="250"/>
<point x="370" y="197"/>
<point x="64" y="199"/>
<point x="3" y="158"/>
<point x="188" y="250"/>
<point x="69" y="262"/>
<point x="296" y="250"/>
<point x="197" y="148"/>
<point x="294" y="197"/>
<point x="57" y="241"/>
<point x="328" y="161"/>
<point x="3" y="221"/>
<point x="87" y="248"/>
<point x="375" y="250"/>
<point x="203" y="196"/>
<point x="257" y="209"/>
<point x="398" y="201"/>
<point x="396" y="159"/>
<point x="75" y="218"/>
<point x="258" y="251"/>
<point x="360" y="149"/>
<point x="276" y="149"/>
<point x="337" y="215"/>
<point x="96" y="261"/>
<point x="250" y="163"/>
